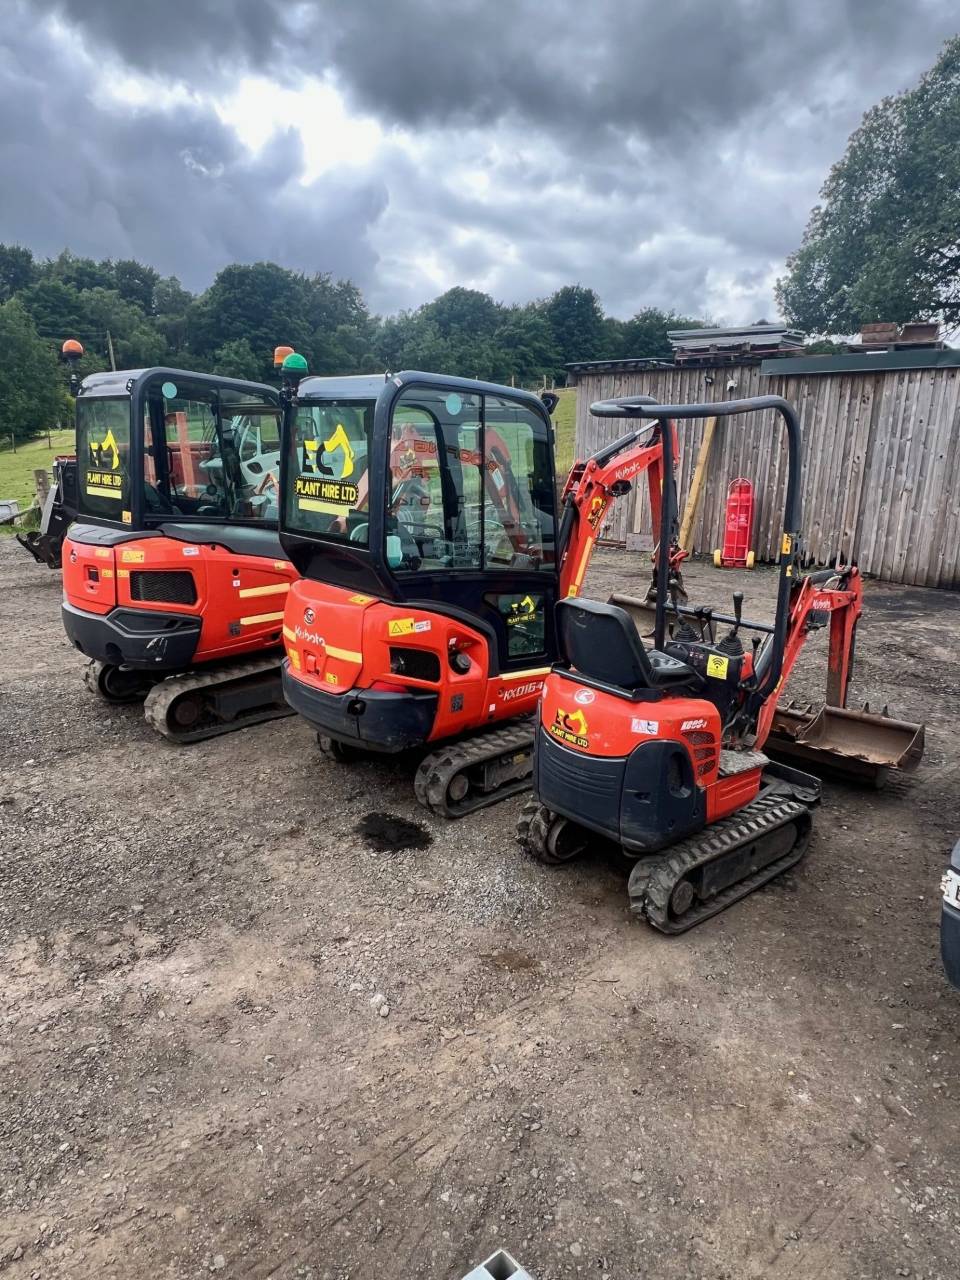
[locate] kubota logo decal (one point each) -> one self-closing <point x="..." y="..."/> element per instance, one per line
<point x="584" y="697"/>
<point x="312" y="637"/>
<point x="570" y="727"/>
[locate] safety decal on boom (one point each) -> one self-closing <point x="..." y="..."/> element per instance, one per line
<point x="570" y="727"/>
<point x="104" y="479"/>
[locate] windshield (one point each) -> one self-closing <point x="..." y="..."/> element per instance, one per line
<point x="471" y="484"/>
<point x="210" y="454"/>
<point x="103" y="454"/>
<point x="327" y="460"/>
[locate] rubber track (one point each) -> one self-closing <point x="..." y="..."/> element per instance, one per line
<point x="160" y="699"/>
<point x="532" y="828"/>
<point x="438" y="769"/>
<point x="653" y="880"/>
<point x="91" y="678"/>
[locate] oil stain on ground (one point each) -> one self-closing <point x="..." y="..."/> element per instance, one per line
<point x="386" y="833"/>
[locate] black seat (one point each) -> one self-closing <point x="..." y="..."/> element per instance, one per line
<point x="602" y="642"/>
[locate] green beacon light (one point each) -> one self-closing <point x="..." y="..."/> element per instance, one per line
<point x="291" y="371"/>
<point x="294" y="365"/>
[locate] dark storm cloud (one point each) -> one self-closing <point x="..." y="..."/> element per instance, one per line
<point x="660" y="69"/>
<point x="167" y="183"/>
<point x="663" y="152"/>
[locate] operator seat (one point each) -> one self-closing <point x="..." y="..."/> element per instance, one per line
<point x="602" y="643"/>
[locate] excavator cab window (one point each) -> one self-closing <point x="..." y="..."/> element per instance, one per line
<point x="470" y="484"/>
<point x="329" y="450"/>
<point x="103" y="453"/>
<point x="192" y="461"/>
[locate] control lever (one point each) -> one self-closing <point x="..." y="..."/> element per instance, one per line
<point x="731" y="643"/>
<point x="683" y="631"/>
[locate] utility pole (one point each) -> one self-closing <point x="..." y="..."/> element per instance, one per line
<point x="113" y="359"/>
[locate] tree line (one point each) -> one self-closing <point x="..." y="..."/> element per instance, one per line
<point x="233" y="326"/>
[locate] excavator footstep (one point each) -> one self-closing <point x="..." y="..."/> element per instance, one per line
<point x="860" y="745"/>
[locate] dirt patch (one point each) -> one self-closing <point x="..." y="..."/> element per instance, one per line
<point x="387" y="833"/>
<point x="197" y="1075"/>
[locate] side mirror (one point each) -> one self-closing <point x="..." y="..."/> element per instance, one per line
<point x="550" y="401"/>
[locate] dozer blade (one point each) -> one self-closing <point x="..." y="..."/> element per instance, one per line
<point x="860" y="745"/>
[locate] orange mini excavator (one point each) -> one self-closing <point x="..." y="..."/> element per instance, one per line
<point x="173" y="575"/>
<point x="421" y="512"/>
<point x="661" y="749"/>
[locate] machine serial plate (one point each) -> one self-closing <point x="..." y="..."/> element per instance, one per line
<point x="950" y="887"/>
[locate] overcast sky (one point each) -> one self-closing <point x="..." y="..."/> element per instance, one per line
<point x="666" y="152"/>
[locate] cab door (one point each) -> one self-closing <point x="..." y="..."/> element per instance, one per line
<point x="471" y="519"/>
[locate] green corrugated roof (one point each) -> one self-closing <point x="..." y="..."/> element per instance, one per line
<point x="854" y="362"/>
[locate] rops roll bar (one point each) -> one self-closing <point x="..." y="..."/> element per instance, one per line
<point x="770" y="662"/>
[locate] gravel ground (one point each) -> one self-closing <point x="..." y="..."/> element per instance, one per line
<point x="237" y="1038"/>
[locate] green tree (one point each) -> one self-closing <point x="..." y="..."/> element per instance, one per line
<point x="576" y="318"/>
<point x="136" y="283"/>
<point x="80" y="273"/>
<point x="56" y="309"/>
<point x="237" y="359"/>
<point x="526" y="345"/>
<point x="29" y="377"/>
<point x="645" y="335"/>
<point x="341" y="337"/>
<point x="171" y="304"/>
<point x="883" y="242"/>
<point x="17" y="270"/>
<point x="263" y="303"/>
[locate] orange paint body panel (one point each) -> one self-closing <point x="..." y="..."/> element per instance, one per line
<point x="600" y="724"/>
<point x="239" y="598"/>
<point x="339" y="642"/>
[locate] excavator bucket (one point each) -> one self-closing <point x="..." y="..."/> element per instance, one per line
<point x="860" y="745"/>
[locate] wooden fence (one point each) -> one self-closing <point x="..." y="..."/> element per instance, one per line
<point x="881" y="462"/>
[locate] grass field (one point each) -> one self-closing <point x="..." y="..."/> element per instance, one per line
<point x="565" y="419"/>
<point x="16" y="469"/>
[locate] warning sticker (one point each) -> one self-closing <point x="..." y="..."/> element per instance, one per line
<point x="787" y="545"/>
<point x="717" y="666"/>
<point x="401" y="627"/>
<point x="360" y="599"/>
<point x="131" y="556"/>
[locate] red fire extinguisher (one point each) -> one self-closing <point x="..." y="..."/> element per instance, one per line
<point x="738" y="528"/>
